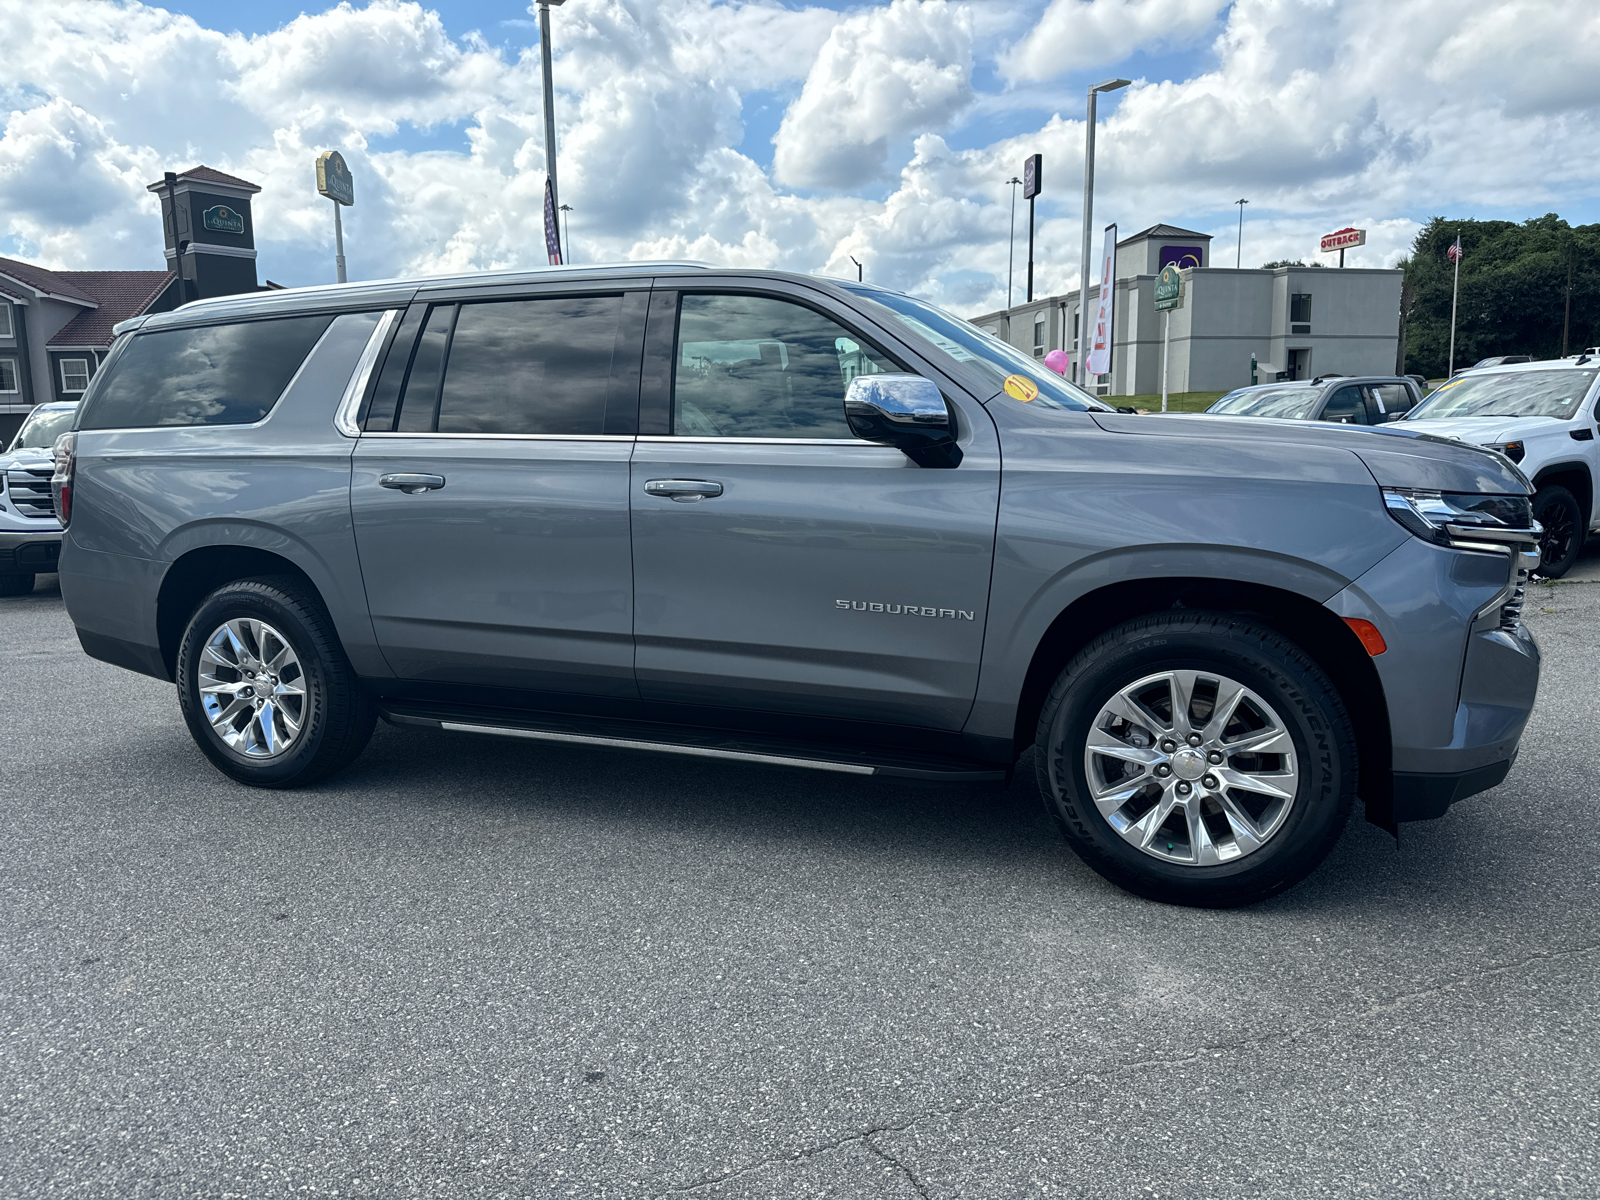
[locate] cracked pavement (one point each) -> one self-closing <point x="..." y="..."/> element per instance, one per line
<point x="473" y="967"/>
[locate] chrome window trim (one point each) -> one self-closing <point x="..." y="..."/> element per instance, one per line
<point x="755" y="441"/>
<point x="507" y="437"/>
<point x="344" y="417"/>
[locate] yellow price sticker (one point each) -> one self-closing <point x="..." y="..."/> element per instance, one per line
<point x="1020" y="387"/>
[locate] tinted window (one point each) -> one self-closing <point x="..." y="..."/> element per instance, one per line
<point x="752" y="366"/>
<point x="209" y="375"/>
<point x="529" y="366"/>
<point x="420" y="407"/>
<point x="1395" y="397"/>
<point x="1346" y="405"/>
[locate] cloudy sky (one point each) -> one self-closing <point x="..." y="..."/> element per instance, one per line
<point x="793" y="134"/>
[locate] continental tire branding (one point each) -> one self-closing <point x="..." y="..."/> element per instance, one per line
<point x="905" y="610"/>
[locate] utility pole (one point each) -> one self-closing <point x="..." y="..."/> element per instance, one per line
<point x="1566" y="311"/>
<point x="1011" y="256"/>
<point x="1454" y="254"/>
<point x="1238" y="250"/>
<point x="549" y="99"/>
<point x="170" y="178"/>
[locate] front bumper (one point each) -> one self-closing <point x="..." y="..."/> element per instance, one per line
<point x="29" y="551"/>
<point x="1459" y="678"/>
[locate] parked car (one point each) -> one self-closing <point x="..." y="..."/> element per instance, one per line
<point x="1501" y="360"/>
<point x="1542" y="417"/>
<point x="30" y="537"/>
<point x="1348" y="400"/>
<point x="762" y="517"/>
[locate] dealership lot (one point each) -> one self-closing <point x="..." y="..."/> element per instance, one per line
<point x="470" y="967"/>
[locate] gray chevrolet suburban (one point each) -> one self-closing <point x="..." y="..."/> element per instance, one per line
<point x="780" y="519"/>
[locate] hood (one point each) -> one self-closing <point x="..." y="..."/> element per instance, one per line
<point x="30" y="456"/>
<point x="1415" y="460"/>
<point x="1480" y="431"/>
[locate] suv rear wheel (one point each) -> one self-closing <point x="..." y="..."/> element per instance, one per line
<point x="1197" y="758"/>
<point x="265" y="687"/>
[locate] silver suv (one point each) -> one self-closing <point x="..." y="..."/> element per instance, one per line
<point x="30" y="537"/>
<point x="780" y="519"/>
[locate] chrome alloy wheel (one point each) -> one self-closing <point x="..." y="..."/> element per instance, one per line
<point x="1191" y="767"/>
<point x="252" y="688"/>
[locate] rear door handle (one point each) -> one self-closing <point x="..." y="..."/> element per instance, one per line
<point x="411" y="483"/>
<point x="684" y="491"/>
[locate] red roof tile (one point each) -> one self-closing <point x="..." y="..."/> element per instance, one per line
<point x="122" y="294"/>
<point x="44" y="281"/>
<point x="205" y="174"/>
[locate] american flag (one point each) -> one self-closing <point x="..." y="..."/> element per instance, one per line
<point x="1454" y="253"/>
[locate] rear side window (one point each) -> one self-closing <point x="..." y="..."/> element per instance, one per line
<point x="534" y="366"/>
<point x="1395" y="397"/>
<point x="206" y="375"/>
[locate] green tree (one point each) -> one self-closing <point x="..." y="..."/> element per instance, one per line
<point x="1514" y="291"/>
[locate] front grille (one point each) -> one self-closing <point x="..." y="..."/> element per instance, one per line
<point x="1511" y="610"/>
<point x="30" y="491"/>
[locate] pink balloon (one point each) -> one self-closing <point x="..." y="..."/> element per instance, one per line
<point x="1058" y="361"/>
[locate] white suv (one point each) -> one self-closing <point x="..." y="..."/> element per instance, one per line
<point x="1542" y="417"/>
<point x="30" y="536"/>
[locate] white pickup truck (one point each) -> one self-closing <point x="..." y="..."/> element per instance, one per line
<point x="30" y="535"/>
<point x="1540" y="415"/>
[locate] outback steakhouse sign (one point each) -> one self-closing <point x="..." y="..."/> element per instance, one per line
<point x="1343" y="239"/>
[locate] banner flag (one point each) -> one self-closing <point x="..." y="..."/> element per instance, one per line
<point x="1100" y="346"/>
<point x="1454" y="253"/>
<point x="552" y="234"/>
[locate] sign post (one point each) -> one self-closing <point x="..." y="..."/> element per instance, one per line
<point x="1343" y="239"/>
<point x="334" y="182"/>
<point x="1032" y="185"/>
<point x="1169" y="295"/>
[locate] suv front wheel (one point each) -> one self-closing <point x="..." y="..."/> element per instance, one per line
<point x="265" y="686"/>
<point x="1197" y="758"/>
<point x="1556" y="509"/>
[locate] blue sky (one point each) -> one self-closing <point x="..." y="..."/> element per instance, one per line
<point x="795" y="135"/>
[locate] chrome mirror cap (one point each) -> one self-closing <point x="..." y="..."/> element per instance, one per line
<point x="904" y="411"/>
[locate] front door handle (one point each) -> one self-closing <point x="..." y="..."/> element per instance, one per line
<point x="411" y="483"/>
<point x="684" y="491"/>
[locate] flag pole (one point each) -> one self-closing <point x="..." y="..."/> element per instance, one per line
<point x="1455" y="290"/>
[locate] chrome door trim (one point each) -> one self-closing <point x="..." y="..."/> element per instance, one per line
<point x="584" y="739"/>
<point x="756" y="441"/>
<point x="344" y="417"/>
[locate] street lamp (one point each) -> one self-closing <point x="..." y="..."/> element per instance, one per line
<point x="1011" y="257"/>
<point x="1110" y="85"/>
<point x="566" y="221"/>
<point x="859" y="268"/>
<point x="1238" y="251"/>
<point x="549" y="101"/>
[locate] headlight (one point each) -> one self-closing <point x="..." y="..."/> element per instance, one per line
<point x="1515" y="451"/>
<point x="1464" y="520"/>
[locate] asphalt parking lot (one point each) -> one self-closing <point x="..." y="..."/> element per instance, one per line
<point x="480" y="968"/>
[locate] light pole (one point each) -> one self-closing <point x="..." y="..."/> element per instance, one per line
<point x="566" y="221"/>
<point x="549" y="99"/>
<point x="1110" y="85"/>
<point x="859" y="268"/>
<point x="1238" y="250"/>
<point x="1011" y="256"/>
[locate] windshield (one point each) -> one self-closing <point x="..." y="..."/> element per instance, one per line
<point x="1290" y="402"/>
<point x="966" y="343"/>
<point x="43" y="428"/>
<point x="1512" y="394"/>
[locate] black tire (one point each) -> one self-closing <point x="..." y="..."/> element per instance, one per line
<point x="338" y="714"/>
<point x="16" y="585"/>
<point x="1557" y="510"/>
<point x="1265" y="662"/>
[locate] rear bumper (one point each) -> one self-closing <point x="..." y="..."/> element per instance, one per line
<point x="29" y="551"/>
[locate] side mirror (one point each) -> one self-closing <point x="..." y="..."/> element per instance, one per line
<point x="906" y="412"/>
